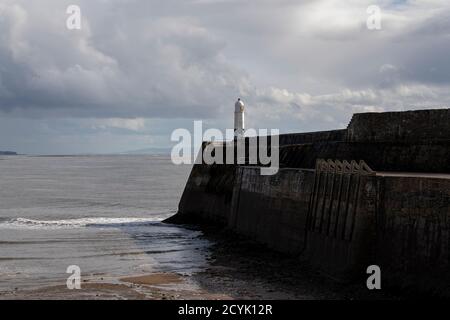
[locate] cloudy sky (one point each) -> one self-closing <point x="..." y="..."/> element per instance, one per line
<point x="138" y="69"/>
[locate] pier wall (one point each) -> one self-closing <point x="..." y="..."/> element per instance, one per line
<point x="413" y="232"/>
<point x="397" y="217"/>
<point x="272" y="209"/>
<point x="207" y="195"/>
<point x="404" y="126"/>
<point x="340" y="227"/>
<point x="432" y="156"/>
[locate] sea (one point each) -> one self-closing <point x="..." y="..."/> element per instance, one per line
<point x="102" y="214"/>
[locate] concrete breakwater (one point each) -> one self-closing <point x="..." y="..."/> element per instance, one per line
<point x="376" y="193"/>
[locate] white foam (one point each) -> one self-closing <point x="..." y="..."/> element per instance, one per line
<point x="24" y="223"/>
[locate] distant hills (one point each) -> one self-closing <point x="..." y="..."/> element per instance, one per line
<point x="149" y="151"/>
<point x="8" y="153"/>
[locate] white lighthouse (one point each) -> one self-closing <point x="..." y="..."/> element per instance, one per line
<point x="239" y="124"/>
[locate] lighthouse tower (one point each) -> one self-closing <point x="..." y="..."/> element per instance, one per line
<point x="239" y="125"/>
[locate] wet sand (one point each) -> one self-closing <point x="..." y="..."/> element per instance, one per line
<point x="154" y="279"/>
<point x="158" y="286"/>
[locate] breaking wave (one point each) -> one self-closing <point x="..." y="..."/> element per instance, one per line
<point x="23" y="223"/>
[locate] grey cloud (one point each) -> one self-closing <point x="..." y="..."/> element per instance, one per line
<point x="162" y="66"/>
<point x="299" y="65"/>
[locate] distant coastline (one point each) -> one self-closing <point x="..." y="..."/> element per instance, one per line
<point x="8" y="153"/>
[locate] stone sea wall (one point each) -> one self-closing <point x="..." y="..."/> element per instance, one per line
<point x="338" y="219"/>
